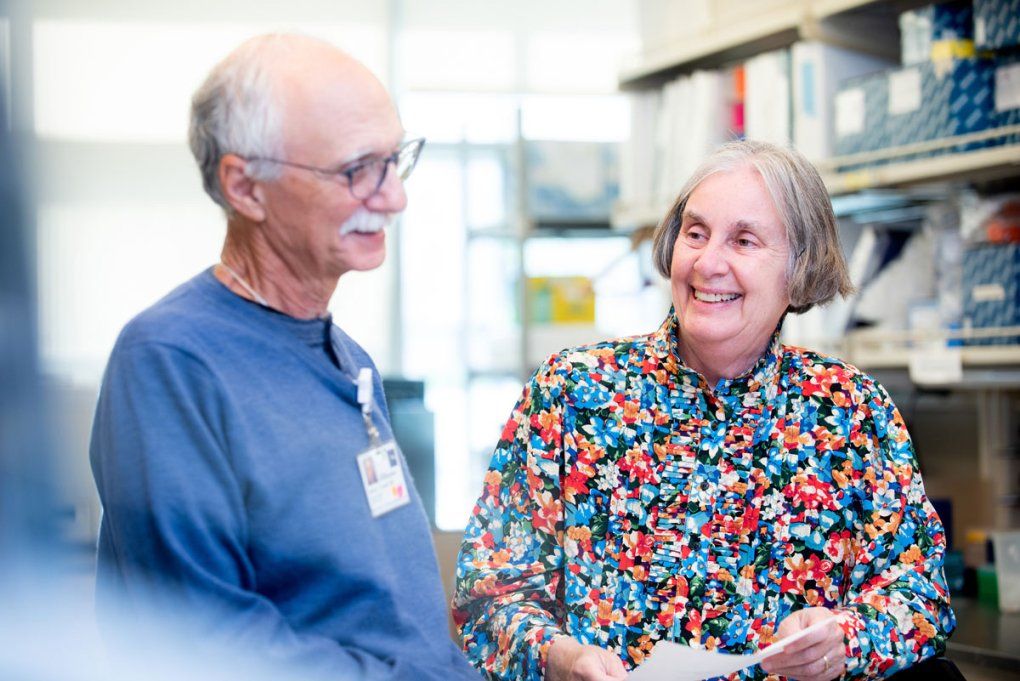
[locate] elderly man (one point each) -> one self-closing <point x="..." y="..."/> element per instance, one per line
<point x="241" y="444"/>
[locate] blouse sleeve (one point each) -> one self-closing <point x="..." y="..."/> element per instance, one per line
<point x="896" y="610"/>
<point x="508" y="601"/>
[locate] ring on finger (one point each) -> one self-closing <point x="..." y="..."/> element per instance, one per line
<point x="825" y="661"/>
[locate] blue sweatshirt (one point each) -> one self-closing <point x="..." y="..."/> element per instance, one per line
<point x="224" y="450"/>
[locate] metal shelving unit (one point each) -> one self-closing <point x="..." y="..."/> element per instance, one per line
<point x="979" y="165"/>
<point x="859" y="24"/>
<point x="983" y="366"/>
<point x="726" y="44"/>
<point x="838" y="22"/>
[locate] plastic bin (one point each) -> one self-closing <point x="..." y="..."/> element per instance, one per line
<point x="1007" y="569"/>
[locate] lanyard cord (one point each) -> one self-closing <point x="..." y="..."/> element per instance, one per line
<point x="252" y="292"/>
<point x="365" y="399"/>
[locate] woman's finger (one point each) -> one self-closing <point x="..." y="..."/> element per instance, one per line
<point x="821" y="665"/>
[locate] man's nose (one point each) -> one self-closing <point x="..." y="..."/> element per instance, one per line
<point x="391" y="197"/>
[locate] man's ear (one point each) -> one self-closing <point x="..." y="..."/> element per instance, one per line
<point x="240" y="191"/>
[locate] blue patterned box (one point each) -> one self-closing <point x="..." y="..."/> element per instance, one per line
<point x="860" y="114"/>
<point x="935" y="100"/>
<point x="928" y="28"/>
<point x="996" y="23"/>
<point x="957" y="98"/>
<point x="917" y="103"/>
<point x="1007" y="95"/>
<point x="991" y="289"/>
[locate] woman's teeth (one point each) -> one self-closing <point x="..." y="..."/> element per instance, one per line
<point x="715" y="297"/>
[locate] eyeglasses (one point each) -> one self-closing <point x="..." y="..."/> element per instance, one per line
<point x="366" y="177"/>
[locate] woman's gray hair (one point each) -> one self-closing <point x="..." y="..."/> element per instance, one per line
<point x="235" y="112"/>
<point x="817" y="269"/>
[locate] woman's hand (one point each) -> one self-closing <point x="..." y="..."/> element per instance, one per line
<point x="569" y="660"/>
<point x="819" y="656"/>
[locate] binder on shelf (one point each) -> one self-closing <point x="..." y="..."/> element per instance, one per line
<point x="690" y="124"/>
<point x="767" y="97"/>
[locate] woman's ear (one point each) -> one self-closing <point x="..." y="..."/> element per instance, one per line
<point x="241" y="192"/>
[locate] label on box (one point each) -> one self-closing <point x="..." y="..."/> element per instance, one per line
<point x="988" y="293"/>
<point x="850" y="112"/>
<point x="1007" y="87"/>
<point x="936" y="366"/>
<point x="904" y="91"/>
<point x="807" y="80"/>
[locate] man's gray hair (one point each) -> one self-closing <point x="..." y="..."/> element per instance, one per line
<point x="817" y="270"/>
<point x="235" y="112"/>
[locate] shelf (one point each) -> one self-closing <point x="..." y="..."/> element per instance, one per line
<point x="724" y="44"/>
<point x="983" y="366"/>
<point x="570" y="227"/>
<point x="827" y="8"/>
<point x="630" y="216"/>
<point x="980" y="165"/>
<point x="847" y="23"/>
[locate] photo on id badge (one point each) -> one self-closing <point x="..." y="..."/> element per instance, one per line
<point x="382" y="476"/>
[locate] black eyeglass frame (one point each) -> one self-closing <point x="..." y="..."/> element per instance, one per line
<point x="411" y="148"/>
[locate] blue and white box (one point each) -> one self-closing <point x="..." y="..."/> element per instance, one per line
<point x="919" y="103"/>
<point x="991" y="289"/>
<point x="996" y="24"/>
<point x="936" y="100"/>
<point x="924" y="30"/>
<point x="958" y="98"/>
<point x="1007" y="96"/>
<point x="861" y="111"/>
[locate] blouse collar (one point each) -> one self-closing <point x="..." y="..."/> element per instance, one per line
<point x="666" y="347"/>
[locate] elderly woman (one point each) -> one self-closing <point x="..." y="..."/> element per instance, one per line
<point x="706" y="484"/>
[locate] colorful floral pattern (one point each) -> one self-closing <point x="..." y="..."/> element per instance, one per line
<point x="627" y="503"/>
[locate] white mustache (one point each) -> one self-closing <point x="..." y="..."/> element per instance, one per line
<point x="364" y="221"/>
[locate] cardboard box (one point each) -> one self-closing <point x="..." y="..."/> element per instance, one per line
<point x="996" y="24"/>
<point x="991" y="289"/>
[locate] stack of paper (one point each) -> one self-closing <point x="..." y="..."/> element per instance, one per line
<point x="674" y="662"/>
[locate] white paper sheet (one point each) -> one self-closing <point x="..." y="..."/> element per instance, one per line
<point x="674" y="662"/>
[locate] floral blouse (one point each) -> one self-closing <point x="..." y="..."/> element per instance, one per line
<point x="627" y="503"/>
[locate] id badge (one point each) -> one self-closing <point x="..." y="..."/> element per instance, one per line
<point x="382" y="476"/>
